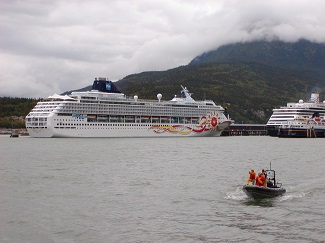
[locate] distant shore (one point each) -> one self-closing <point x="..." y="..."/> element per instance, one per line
<point x="20" y="131"/>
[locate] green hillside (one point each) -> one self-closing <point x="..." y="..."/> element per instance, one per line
<point x="250" y="91"/>
<point x="14" y="110"/>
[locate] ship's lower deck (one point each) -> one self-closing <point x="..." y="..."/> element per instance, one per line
<point x="301" y="133"/>
<point x="130" y="130"/>
<point x="92" y="125"/>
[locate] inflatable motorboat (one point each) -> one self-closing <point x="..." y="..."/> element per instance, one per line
<point x="273" y="188"/>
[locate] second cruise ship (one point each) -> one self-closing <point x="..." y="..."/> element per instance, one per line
<point x="287" y="114"/>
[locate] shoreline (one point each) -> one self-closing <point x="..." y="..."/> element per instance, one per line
<point x="8" y="131"/>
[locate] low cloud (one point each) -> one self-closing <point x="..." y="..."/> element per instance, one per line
<point x="50" y="47"/>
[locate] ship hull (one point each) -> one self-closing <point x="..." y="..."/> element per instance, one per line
<point x="260" y="192"/>
<point x="272" y="131"/>
<point x="300" y="133"/>
<point x="134" y="130"/>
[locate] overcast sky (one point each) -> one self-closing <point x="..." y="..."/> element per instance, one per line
<point x="49" y="47"/>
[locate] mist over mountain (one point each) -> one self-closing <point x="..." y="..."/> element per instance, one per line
<point x="274" y="53"/>
<point x="250" y="79"/>
<point x="300" y="56"/>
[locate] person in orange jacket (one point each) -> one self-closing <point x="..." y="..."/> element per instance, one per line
<point x="265" y="180"/>
<point x="260" y="179"/>
<point x="252" y="177"/>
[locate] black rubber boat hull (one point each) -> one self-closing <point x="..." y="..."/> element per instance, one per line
<point x="260" y="192"/>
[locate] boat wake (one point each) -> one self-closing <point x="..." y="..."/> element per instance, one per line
<point x="305" y="189"/>
<point x="292" y="196"/>
<point x="238" y="195"/>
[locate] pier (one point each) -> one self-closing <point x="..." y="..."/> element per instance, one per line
<point x="245" y="130"/>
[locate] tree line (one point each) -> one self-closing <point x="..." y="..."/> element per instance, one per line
<point x="14" y="110"/>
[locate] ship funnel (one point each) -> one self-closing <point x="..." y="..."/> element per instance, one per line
<point x="103" y="85"/>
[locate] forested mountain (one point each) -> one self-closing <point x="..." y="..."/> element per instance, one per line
<point x="302" y="55"/>
<point x="276" y="53"/>
<point x="249" y="90"/>
<point x="250" y="79"/>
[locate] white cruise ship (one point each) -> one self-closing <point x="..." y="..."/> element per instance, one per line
<point x="106" y="112"/>
<point x="287" y="114"/>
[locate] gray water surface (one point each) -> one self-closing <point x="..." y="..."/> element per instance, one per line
<point x="158" y="190"/>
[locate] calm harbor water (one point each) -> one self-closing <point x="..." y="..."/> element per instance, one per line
<point x="159" y="190"/>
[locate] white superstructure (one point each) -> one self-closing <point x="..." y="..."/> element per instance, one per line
<point x="286" y="114"/>
<point x="105" y="112"/>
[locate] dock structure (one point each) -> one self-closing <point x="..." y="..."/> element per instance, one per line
<point x="245" y="130"/>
